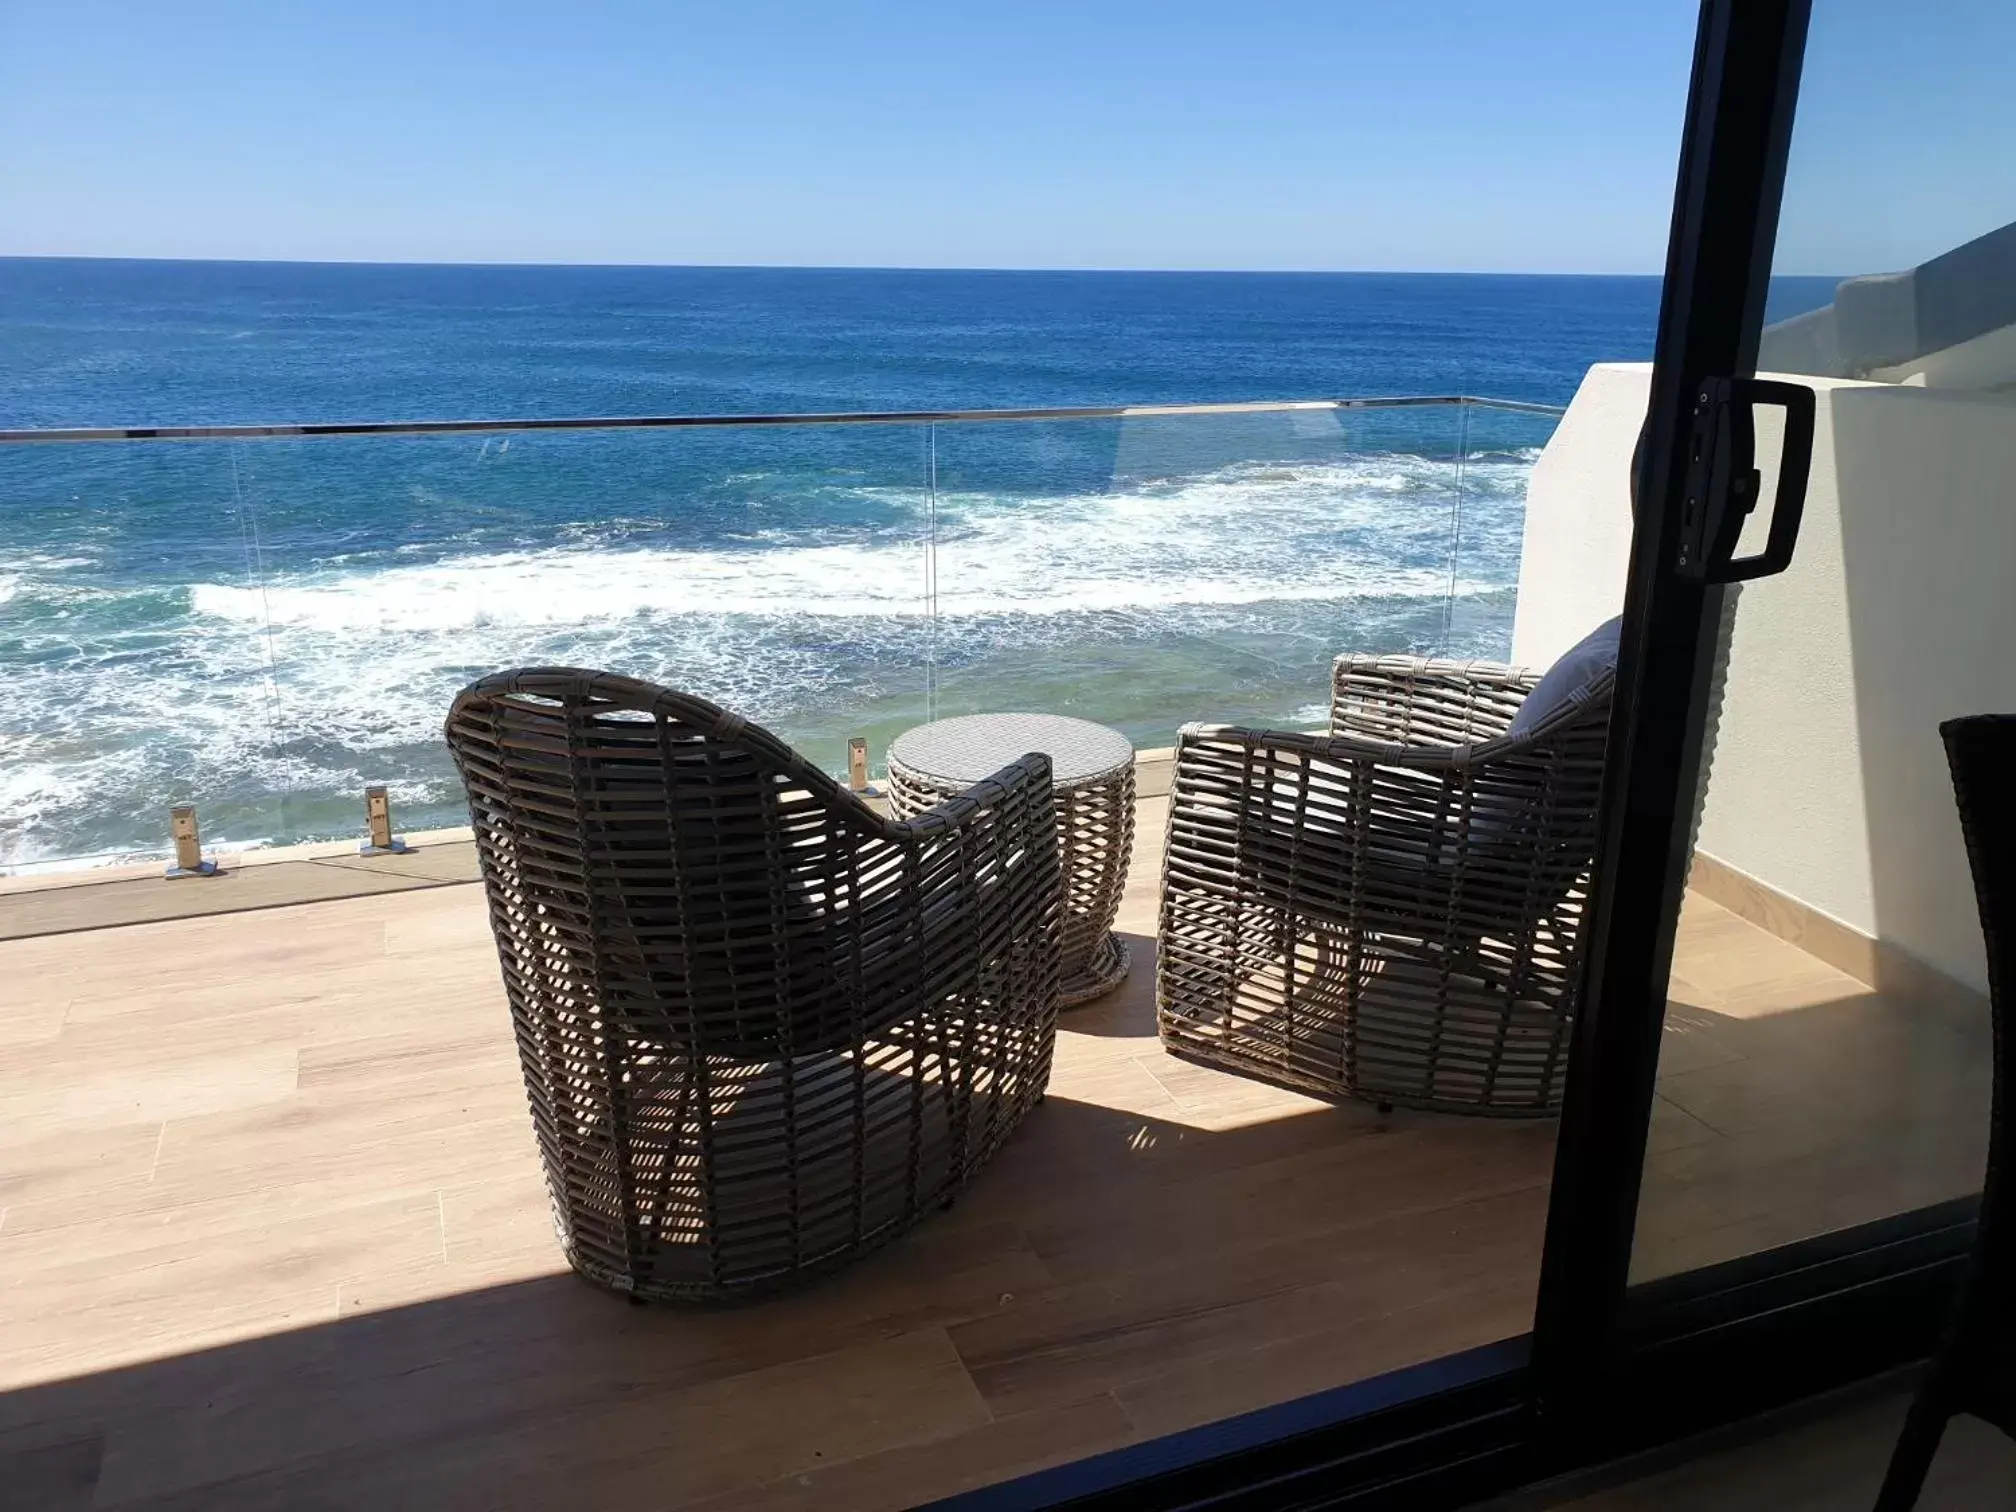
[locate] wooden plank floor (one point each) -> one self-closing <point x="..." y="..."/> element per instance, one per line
<point x="1793" y="1100"/>
<point x="273" y="1233"/>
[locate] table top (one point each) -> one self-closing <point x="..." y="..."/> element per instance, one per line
<point x="972" y="746"/>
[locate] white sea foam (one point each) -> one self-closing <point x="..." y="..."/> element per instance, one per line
<point x="21" y="570"/>
<point x="1236" y="537"/>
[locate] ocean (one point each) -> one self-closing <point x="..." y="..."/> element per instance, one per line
<point x="264" y="627"/>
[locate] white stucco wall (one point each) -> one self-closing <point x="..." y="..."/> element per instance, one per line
<point x="1828" y="781"/>
<point x="1578" y="515"/>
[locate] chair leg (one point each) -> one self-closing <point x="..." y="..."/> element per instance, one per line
<point x="1911" y="1460"/>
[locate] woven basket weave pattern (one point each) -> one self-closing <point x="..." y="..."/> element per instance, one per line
<point x="763" y="1029"/>
<point x="1095" y="840"/>
<point x="1392" y="911"/>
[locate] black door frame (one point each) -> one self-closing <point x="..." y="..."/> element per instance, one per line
<point x="1725" y="220"/>
<point x="1616" y="1368"/>
<point x="1608" y="1369"/>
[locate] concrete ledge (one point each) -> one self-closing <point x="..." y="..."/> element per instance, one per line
<point x="275" y="878"/>
<point x="227" y="860"/>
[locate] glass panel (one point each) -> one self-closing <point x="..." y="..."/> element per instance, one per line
<point x="266" y="626"/>
<point x="1499" y="447"/>
<point x="118" y="700"/>
<point x="778" y="571"/>
<point x="1154" y="570"/>
<point x="1825" y="1058"/>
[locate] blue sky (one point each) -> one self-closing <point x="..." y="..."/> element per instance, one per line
<point x="1905" y="141"/>
<point x="1032" y="134"/>
<point x="1455" y="135"/>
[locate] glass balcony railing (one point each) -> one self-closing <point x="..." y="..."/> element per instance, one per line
<point x="263" y="620"/>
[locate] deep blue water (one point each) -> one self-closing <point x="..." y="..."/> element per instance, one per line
<point x="263" y="627"/>
<point x="111" y="342"/>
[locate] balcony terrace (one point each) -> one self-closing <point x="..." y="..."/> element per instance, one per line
<point x="274" y="1233"/>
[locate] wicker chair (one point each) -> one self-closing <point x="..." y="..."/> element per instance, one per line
<point x="1391" y="911"/>
<point x="763" y="1029"/>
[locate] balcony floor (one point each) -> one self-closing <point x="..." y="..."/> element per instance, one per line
<point x="274" y="1234"/>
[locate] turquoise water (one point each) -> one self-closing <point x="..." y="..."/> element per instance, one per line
<point x="264" y="627"/>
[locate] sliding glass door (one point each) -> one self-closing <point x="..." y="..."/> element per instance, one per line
<point x="1781" y="1090"/>
<point x="1823" y="1061"/>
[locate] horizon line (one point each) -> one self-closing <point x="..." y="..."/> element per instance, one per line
<point x="781" y="267"/>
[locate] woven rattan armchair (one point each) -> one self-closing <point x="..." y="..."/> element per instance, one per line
<point x="763" y="1029"/>
<point x="1391" y="911"/>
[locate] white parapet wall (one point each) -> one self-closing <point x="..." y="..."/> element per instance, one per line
<point x="1828" y="781"/>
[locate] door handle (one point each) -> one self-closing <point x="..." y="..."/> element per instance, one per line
<point x="1722" y="478"/>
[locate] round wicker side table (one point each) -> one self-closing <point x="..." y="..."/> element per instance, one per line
<point x="1092" y="773"/>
